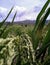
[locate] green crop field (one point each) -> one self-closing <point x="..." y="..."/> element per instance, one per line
<point x="26" y="44"/>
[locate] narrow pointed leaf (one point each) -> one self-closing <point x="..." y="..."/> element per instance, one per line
<point x="41" y="13"/>
<point x="43" y="20"/>
<point x="14" y="17"/>
<point x="6" y="17"/>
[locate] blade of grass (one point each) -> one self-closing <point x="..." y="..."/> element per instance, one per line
<point x="41" y="13"/>
<point x="14" y="17"/>
<point x="6" y="17"/>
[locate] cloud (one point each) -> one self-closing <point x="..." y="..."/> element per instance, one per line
<point x="37" y="8"/>
<point x="26" y="14"/>
<point x="19" y="9"/>
<point x="2" y="10"/>
<point x="29" y="14"/>
<point x="3" y="13"/>
<point x="22" y="13"/>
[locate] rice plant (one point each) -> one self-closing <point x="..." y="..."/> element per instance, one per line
<point x="32" y="48"/>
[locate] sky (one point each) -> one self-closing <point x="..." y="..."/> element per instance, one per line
<point x="26" y="9"/>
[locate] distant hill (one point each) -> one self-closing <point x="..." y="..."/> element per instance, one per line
<point x="22" y="22"/>
<point x="25" y="22"/>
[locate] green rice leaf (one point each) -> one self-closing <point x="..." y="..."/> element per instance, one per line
<point x="41" y="13"/>
<point x="6" y="18"/>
